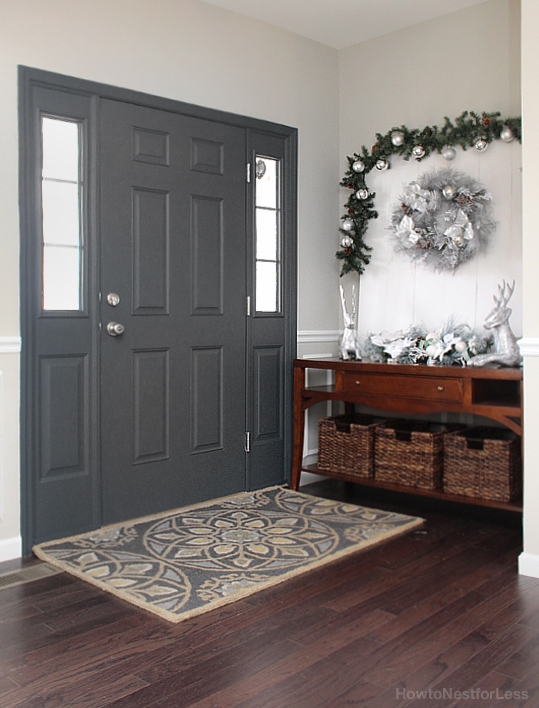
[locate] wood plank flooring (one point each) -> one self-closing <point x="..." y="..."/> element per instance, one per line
<point x="438" y="617"/>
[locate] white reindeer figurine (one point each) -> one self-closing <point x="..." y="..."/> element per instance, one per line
<point x="349" y="346"/>
<point x="506" y="350"/>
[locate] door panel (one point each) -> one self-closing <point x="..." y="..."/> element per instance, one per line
<point x="59" y="346"/>
<point x="173" y="249"/>
<point x="269" y="340"/>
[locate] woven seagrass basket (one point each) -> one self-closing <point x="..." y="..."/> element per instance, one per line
<point x="483" y="462"/>
<point x="346" y="444"/>
<point x="411" y="453"/>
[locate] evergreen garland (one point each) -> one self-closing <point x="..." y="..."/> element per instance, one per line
<point x="470" y="129"/>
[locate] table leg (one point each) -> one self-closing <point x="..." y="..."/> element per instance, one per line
<point x="299" y="427"/>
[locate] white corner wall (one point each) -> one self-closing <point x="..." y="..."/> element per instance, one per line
<point x="188" y="51"/>
<point x="529" y="560"/>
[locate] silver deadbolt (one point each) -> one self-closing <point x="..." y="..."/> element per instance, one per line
<point x="115" y="329"/>
<point x="113" y="299"/>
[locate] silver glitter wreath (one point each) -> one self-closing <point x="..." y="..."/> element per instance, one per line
<point x="442" y="219"/>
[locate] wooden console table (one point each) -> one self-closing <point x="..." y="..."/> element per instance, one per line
<point x="393" y="388"/>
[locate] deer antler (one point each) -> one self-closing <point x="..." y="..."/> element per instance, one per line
<point x="504" y="299"/>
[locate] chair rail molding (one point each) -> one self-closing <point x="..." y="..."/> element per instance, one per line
<point x="10" y="345"/>
<point x="308" y="336"/>
<point x="529" y="346"/>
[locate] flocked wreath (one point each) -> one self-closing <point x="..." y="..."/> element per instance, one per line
<point x="470" y="129"/>
<point x="442" y="219"/>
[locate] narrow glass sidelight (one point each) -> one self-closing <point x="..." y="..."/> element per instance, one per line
<point x="61" y="199"/>
<point x="268" y="235"/>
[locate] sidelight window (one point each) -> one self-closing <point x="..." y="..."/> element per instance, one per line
<point x="61" y="200"/>
<point x="268" y="235"/>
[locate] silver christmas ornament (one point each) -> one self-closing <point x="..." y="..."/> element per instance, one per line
<point x="346" y="242"/>
<point x="507" y="134"/>
<point x="397" y="138"/>
<point x="458" y="241"/>
<point x="362" y="193"/>
<point x="358" y="166"/>
<point x="347" y="225"/>
<point x="449" y="152"/>
<point x="449" y="191"/>
<point x="418" y="152"/>
<point x="382" y="164"/>
<point x="480" y="144"/>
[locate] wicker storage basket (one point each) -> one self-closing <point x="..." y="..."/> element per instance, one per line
<point x="346" y="444"/>
<point x="483" y="462"/>
<point x="410" y="452"/>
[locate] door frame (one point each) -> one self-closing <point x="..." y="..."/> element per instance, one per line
<point x="30" y="79"/>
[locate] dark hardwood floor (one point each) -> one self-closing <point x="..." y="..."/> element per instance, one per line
<point x="438" y="617"/>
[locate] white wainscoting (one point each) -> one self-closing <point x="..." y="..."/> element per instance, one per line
<point x="528" y="563"/>
<point x="321" y="344"/>
<point x="11" y="547"/>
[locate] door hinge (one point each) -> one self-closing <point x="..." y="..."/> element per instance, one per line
<point x="248" y="306"/>
<point x="247" y="447"/>
<point x="248" y="172"/>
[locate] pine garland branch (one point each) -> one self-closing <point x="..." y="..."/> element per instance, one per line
<point x="465" y="132"/>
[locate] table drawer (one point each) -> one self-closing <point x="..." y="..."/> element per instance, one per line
<point x="398" y="386"/>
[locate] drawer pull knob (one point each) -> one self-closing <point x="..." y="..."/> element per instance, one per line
<point x="440" y="388"/>
<point x="358" y="383"/>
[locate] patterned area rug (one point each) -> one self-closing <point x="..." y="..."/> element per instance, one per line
<point x="182" y="563"/>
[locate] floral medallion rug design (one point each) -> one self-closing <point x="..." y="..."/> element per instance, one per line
<point x="181" y="563"/>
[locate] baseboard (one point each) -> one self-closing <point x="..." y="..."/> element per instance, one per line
<point x="310" y="478"/>
<point x="528" y="564"/>
<point x="10" y="548"/>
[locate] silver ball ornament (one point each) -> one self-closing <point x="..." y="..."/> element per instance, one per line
<point x="397" y="138"/>
<point x="449" y="152"/>
<point x="346" y="242"/>
<point x="358" y="166"/>
<point x="507" y="134"/>
<point x="347" y="225"/>
<point x="362" y="193"/>
<point x="418" y="151"/>
<point x="382" y="164"/>
<point x="449" y="191"/>
<point x="480" y="144"/>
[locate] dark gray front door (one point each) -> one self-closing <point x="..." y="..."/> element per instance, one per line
<point x="152" y="360"/>
<point x="173" y="251"/>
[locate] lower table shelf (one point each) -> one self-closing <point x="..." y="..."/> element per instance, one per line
<point x="515" y="506"/>
<point x="495" y="394"/>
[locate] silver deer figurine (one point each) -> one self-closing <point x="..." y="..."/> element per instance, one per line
<point x="349" y="346"/>
<point x="506" y="350"/>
